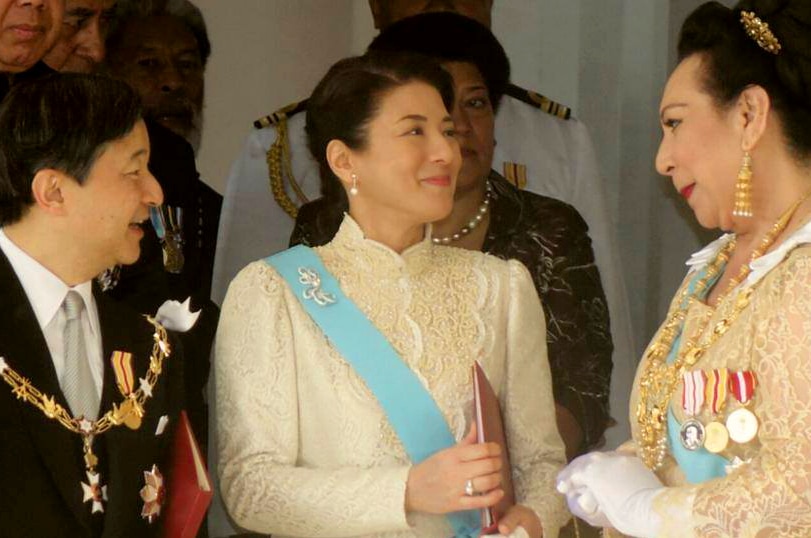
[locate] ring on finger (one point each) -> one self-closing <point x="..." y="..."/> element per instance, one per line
<point x="470" y="491"/>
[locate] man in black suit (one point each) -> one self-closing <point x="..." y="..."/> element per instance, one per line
<point x="89" y="391"/>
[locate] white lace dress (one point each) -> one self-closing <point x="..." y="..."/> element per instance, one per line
<point x="304" y="448"/>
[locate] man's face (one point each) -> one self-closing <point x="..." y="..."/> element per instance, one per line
<point x="160" y="59"/>
<point x="386" y="12"/>
<point x="111" y="207"/>
<point x="80" y="46"/>
<point x="28" y="28"/>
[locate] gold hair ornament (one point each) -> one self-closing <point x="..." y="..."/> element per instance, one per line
<point x="759" y="31"/>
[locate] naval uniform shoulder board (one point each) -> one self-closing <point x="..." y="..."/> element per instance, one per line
<point x="282" y="114"/>
<point x="539" y="101"/>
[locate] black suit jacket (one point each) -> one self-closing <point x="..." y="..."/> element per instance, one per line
<point x="41" y="462"/>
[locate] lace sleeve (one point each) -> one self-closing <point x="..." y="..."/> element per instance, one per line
<point x="770" y="495"/>
<point x="257" y="402"/>
<point x="536" y="450"/>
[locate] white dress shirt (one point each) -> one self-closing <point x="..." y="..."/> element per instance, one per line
<point x="46" y="293"/>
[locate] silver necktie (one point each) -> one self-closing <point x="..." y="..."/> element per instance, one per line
<point x="78" y="385"/>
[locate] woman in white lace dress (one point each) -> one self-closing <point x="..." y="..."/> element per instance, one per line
<point x="305" y="448"/>
<point x="720" y="413"/>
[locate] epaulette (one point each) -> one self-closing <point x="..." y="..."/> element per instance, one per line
<point x="279" y="161"/>
<point x="539" y="101"/>
<point x="283" y="113"/>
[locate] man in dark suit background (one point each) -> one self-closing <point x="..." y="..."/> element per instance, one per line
<point x="89" y="390"/>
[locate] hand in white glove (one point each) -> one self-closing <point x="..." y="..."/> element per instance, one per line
<point x="581" y="501"/>
<point x="613" y="487"/>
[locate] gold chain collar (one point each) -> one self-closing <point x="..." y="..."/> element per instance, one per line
<point x="129" y="411"/>
<point x="659" y="379"/>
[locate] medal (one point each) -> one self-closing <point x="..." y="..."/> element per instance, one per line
<point x="742" y="425"/>
<point x="692" y="434"/>
<point x="168" y="224"/>
<point x="716" y="437"/>
<point x="716" y="389"/>
<point x="94" y="492"/>
<point x="130" y="412"/>
<point x="153" y="494"/>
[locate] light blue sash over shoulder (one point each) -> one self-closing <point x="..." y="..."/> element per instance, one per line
<point x="697" y="465"/>
<point x="409" y="407"/>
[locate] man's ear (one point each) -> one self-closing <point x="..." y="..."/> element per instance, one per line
<point x="339" y="158"/>
<point x="47" y="190"/>
<point x="753" y="109"/>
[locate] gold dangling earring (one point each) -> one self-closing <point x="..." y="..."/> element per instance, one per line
<point x="354" y="189"/>
<point x="743" y="189"/>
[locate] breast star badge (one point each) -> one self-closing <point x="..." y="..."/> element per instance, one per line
<point x="94" y="492"/>
<point x="153" y="494"/>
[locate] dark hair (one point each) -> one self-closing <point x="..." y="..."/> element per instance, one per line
<point x="189" y="14"/>
<point x="733" y="60"/>
<point x="348" y="98"/>
<point x="450" y="37"/>
<point x="61" y="122"/>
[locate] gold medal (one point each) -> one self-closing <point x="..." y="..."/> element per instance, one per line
<point x="742" y="425"/>
<point x="173" y="258"/>
<point x="716" y="437"/>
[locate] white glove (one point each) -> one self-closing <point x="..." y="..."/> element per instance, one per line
<point x="613" y="487"/>
<point x="581" y="501"/>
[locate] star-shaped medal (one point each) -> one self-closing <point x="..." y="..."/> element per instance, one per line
<point x="152" y="494"/>
<point x="145" y="387"/>
<point x="94" y="491"/>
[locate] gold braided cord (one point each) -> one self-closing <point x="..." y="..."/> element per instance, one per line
<point x="760" y="32"/>
<point x="280" y="168"/>
<point x="659" y="379"/>
<point x="24" y="390"/>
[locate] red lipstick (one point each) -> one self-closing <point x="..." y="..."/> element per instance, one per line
<point x="687" y="191"/>
<point x="439" y="181"/>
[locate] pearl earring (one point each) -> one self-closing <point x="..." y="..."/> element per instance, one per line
<point x="354" y="189"/>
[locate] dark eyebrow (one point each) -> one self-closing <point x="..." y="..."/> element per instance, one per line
<point x="668" y="107"/>
<point x="415" y="117"/>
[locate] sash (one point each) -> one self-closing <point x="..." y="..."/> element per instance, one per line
<point x="697" y="465"/>
<point x="409" y="407"/>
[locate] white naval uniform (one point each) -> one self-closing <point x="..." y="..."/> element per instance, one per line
<point x="560" y="162"/>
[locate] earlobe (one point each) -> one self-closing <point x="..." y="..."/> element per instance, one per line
<point x="339" y="158"/>
<point x="46" y="189"/>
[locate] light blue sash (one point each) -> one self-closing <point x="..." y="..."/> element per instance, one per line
<point x="409" y="407"/>
<point x="697" y="465"/>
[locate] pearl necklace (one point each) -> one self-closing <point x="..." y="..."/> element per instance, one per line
<point x="473" y="223"/>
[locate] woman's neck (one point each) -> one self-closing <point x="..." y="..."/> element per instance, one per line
<point x="466" y="205"/>
<point x="390" y="230"/>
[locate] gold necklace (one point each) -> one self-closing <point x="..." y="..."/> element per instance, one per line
<point x="659" y="379"/>
<point x="129" y="412"/>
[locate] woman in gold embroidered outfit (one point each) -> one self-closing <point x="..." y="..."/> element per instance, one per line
<point x="304" y="447"/>
<point x="720" y="413"/>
